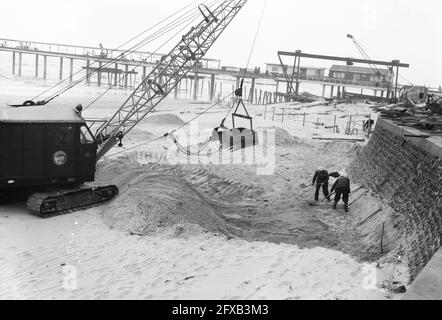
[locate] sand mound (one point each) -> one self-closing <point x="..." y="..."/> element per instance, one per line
<point x="164" y="119"/>
<point x="151" y="199"/>
<point x="157" y="200"/>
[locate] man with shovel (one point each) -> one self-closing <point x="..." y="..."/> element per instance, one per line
<point x="342" y="188"/>
<point x="321" y="178"/>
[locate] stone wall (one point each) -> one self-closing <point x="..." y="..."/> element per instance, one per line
<point x="406" y="173"/>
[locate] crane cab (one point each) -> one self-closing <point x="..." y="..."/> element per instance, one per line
<point x="42" y="145"/>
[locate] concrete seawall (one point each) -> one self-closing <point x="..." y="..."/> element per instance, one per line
<point x="406" y="174"/>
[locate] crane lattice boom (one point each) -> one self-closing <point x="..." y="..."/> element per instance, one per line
<point x="168" y="73"/>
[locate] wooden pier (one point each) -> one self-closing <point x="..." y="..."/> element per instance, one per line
<point x="122" y="67"/>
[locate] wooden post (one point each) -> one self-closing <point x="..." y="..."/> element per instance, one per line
<point x="126" y="70"/>
<point x="60" y="76"/>
<point x="303" y="120"/>
<point x="13" y="62"/>
<point x="297" y="75"/>
<point x="116" y="75"/>
<point x="396" y="84"/>
<point x="71" y="69"/>
<point x="176" y="92"/>
<point x="349" y="126"/>
<point x="334" y="125"/>
<point x="36" y="65"/>
<point x="195" y="87"/>
<point x="283" y="113"/>
<point x="45" y="67"/>
<point x="99" y="74"/>
<point x="88" y="78"/>
<point x="212" y="87"/>
<point x="317" y="124"/>
<point x="19" y="63"/>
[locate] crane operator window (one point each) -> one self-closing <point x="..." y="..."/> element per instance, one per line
<point x="63" y="135"/>
<point x="86" y="136"/>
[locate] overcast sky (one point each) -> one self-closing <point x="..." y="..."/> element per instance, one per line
<point x="408" y="30"/>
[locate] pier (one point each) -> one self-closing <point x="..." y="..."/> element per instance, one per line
<point x="122" y="68"/>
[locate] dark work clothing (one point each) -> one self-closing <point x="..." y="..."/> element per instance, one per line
<point x="324" y="190"/>
<point x="342" y="189"/>
<point x="320" y="177"/>
<point x="344" y="193"/>
<point x="342" y="183"/>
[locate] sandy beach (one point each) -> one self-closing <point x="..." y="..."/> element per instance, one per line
<point x="207" y="231"/>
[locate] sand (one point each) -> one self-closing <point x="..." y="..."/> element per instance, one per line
<point x="78" y="257"/>
<point x="189" y="231"/>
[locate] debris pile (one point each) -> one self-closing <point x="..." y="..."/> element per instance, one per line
<point x="424" y="116"/>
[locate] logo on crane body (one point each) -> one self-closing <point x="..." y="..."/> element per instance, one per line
<point x="60" y="158"/>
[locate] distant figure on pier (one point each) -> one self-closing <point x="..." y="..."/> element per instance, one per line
<point x="342" y="188"/>
<point x="321" y="179"/>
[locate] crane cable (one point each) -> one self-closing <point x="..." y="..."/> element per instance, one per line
<point x="206" y="110"/>
<point x="171" y="133"/>
<point x="123" y="53"/>
<point x="391" y="71"/>
<point x="256" y="35"/>
<point x="248" y="59"/>
<point x="141" y="43"/>
<point x="245" y="72"/>
<point x="194" y="17"/>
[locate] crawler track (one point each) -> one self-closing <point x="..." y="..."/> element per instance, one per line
<point x="50" y="204"/>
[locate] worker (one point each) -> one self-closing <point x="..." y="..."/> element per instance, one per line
<point x="321" y="179"/>
<point x="342" y="188"/>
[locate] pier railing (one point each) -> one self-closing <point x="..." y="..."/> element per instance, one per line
<point x="93" y="52"/>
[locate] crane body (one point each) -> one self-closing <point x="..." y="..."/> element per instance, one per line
<point x="51" y="152"/>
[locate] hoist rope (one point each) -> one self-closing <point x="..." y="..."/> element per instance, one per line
<point x="143" y="42"/>
<point x="194" y="16"/>
<point x="173" y="131"/>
